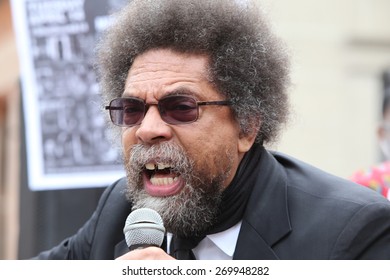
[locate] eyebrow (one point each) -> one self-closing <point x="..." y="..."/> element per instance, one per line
<point x="181" y="91"/>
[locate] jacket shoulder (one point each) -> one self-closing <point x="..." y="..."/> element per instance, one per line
<point x="99" y="235"/>
<point x="356" y="219"/>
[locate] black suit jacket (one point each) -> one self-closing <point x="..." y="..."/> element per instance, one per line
<point x="295" y="212"/>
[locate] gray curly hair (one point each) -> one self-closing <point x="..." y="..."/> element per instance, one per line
<point x="248" y="64"/>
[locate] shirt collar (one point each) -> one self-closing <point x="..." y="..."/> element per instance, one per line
<point x="226" y="240"/>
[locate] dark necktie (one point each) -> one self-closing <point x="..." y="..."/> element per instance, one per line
<point x="181" y="248"/>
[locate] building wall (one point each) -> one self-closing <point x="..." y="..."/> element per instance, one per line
<point x="339" y="50"/>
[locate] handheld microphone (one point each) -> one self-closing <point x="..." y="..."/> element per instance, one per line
<point x="144" y="228"/>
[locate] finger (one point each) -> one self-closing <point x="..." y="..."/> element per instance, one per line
<point x="150" y="253"/>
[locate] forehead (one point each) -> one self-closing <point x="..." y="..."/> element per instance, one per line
<point x="171" y="58"/>
<point x="163" y="70"/>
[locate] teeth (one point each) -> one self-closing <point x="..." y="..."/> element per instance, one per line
<point x="159" y="166"/>
<point x="163" y="181"/>
<point x="149" y="166"/>
<point x="162" y="166"/>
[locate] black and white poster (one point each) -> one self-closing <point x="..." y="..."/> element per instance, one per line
<point x="66" y="136"/>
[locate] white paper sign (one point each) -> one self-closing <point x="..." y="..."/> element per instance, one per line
<point x="66" y="136"/>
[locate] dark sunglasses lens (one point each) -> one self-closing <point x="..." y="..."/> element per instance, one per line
<point x="178" y="109"/>
<point x="127" y="111"/>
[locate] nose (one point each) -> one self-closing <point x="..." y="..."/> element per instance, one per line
<point x="152" y="128"/>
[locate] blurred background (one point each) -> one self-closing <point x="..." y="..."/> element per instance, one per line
<point x="340" y="50"/>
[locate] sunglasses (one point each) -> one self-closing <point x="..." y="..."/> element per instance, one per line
<point x="173" y="109"/>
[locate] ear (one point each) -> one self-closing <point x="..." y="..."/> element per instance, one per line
<point x="245" y="141"/>
<point x="381" y="132"/>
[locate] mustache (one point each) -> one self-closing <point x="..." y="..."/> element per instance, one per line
<point x="164" y="153"/>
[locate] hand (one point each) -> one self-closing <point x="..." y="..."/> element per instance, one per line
<point x="149" y="253"/>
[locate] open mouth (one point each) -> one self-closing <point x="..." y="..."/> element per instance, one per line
<point x="160" y="174"/>
<point x="160" y="180"/>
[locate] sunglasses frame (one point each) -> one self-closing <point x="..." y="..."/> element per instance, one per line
<point x="161" y="110"/>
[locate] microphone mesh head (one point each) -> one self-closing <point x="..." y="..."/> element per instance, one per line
<point x="144" y="226"/>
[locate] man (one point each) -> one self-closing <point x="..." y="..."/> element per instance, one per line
<point x="196" y="88"/>
<point x="377" y="177"/>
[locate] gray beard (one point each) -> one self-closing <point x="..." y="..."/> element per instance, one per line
<point x="193" y="210"/>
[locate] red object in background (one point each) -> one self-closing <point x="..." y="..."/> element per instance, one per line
<point x="377" y="178"/>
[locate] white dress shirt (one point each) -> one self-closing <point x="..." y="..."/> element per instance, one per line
<point x="218" y="246"/>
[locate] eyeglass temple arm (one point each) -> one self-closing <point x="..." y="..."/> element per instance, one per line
<point x="222" y="102"/>
<point x="113" y="108"/>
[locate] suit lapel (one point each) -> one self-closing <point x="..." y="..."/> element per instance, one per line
<point x="251" y="246"/>
<point x="266" y="219"/>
